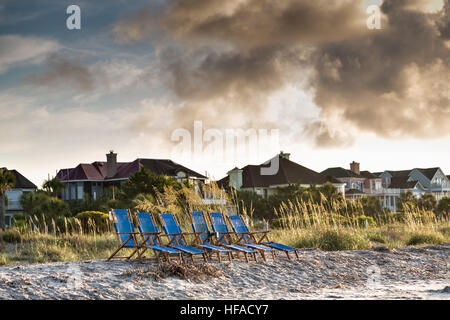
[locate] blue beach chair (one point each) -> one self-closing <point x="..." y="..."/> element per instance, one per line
<point x="241" y="228"/>
<point x="150" y="235"/>
<point x="224" y="236"/>
<point x="204" y="236"/>
<point x="126" y="233"/>
<point x="177" y="238"/>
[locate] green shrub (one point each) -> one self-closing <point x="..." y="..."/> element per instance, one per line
<point x="334" y="240"/>
<point x="425" y="238"/>
<point x="10" y="236"/>
<point x="93" y="220"/>
<point x="97" y="216"/>
<point x="361" y="221"/>
<point x="376" y="237"/>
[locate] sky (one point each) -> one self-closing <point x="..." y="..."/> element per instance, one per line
<point x="213" y="85"/>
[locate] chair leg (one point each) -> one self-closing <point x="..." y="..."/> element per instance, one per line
<point x="296" y="254"/>
<point x="246" y="258"/>
<point x="263" y="256"/>
<point x="287" y="253"/>
<point x="115" y="252"/>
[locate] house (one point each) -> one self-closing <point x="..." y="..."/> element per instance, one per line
<point x="92" y="178"/>
<point x="251" y="177"/>
<point x="418" y="181"/>
<point x="386" y="186"/>
<point x="22" y="185"/>
<point x="357" y="183"/>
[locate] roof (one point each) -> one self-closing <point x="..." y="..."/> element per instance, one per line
<point x="21" y="181"/>
<point x="223" y="183"/>
<point x="368" y="175"/>
<point x="428" y="172"/>
<point x="97" y="171"/>
<point x="402" y="183"/>
<point x="339" y="172"/>
<point x="289" y="173"/>
<point x="399" y="173"/>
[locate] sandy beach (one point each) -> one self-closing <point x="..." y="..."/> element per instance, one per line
<point x="379" y="273"/>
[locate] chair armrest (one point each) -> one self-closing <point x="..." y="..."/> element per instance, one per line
<point x="172" y="234"/>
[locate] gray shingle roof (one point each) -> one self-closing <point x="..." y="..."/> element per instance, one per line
<point x="21" y="181"/>
<point x="339" y="172"/>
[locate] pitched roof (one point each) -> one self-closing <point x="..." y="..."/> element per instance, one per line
<point x="97" y="171"/>
<point x="368" y="175"/>
<point x="289" y="172"/>
<point x="402" y="183"/>
<point x="223" y="183"/>
<point x="21" y="181"/>
<point x="428" y="172"/>
<point x="339" y="172"/>
<point x="399" y="173"/>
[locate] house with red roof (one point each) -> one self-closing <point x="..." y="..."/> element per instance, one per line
<point x="92" y="178"/>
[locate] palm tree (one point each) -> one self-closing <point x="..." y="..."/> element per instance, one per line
<point x="7" y="182"/>
<point x="53" y="187"/>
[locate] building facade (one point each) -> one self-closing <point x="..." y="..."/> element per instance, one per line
<point x="92" y="179"/>
<point x="253" y="177"/>
<point x="22" y="185"/>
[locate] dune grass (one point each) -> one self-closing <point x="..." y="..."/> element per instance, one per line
<point x="333" y="225"/>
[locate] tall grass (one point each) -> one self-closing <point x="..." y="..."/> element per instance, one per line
<point x="328" y="225"/>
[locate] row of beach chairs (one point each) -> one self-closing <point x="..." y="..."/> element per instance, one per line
<point x="219" y="241"/>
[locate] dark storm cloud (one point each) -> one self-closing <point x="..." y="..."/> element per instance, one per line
<point x="392" y="82"/>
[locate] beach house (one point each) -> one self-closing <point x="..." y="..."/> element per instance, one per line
<point x="389" y="184"/>
<point x="253" y="178"/>
<point x="21" y="186"/>
<point x="93" y="177"/>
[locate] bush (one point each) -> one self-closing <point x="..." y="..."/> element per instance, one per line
<point x="361" y="221"/>
<point x="10" y="236"/>
<point x="376" y="237"/>
<point x="333" y="240"/>
<point x="100" y="220"/>
<point x="425" y="238"/>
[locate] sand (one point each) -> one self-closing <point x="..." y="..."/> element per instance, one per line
<point x="379" y="273"/>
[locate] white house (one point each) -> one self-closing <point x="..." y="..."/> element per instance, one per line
<point x="22" y="186"/>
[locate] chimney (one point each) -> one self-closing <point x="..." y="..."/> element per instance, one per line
<point x="111" y="164"/>
<point x="284" y="155"/>
<point x="354" y="167"/>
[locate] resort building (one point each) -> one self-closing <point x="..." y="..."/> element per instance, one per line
<point x="254" y="178"/>
<point x="21" y="186"/>
<point x="92" y="178"/>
